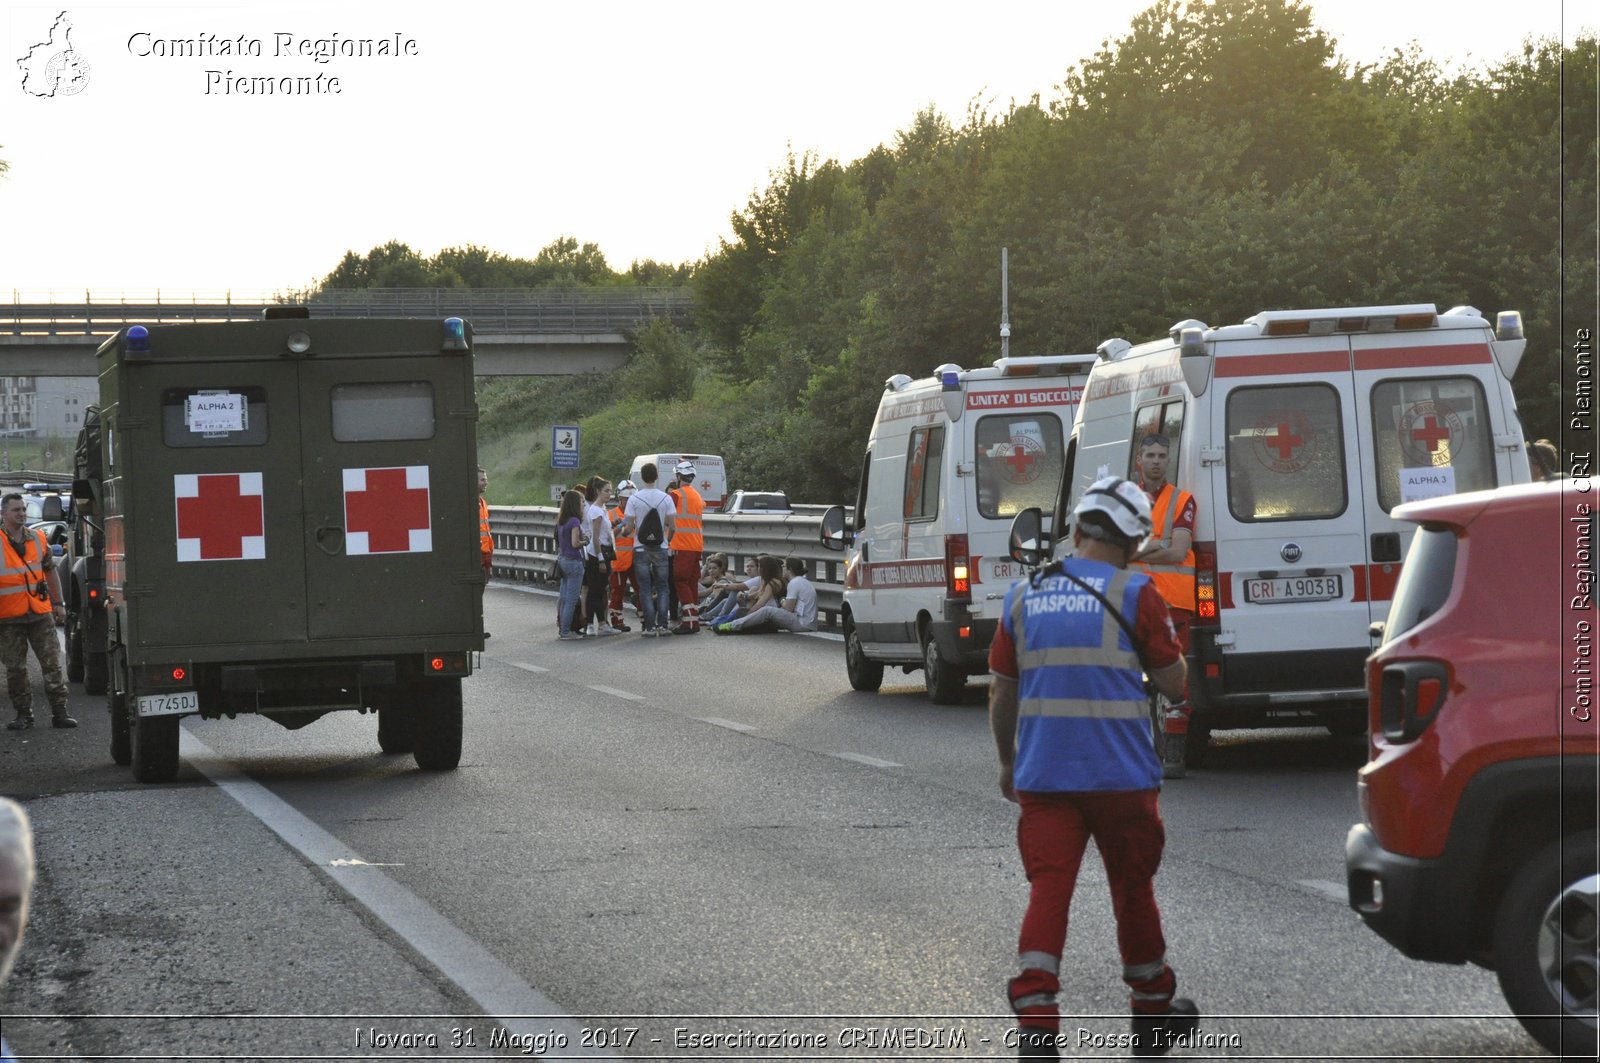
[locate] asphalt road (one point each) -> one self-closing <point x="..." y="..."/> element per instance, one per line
<point x="690" y="847"/>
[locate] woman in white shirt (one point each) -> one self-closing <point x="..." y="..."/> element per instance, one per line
<point x="597" y="555"/>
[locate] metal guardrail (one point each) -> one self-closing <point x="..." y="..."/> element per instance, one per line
<point x="491" y="310"/>
<point x="525" y="546"/>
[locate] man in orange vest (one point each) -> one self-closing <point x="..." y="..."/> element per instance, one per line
<point x="30" y="604"/>
<point x="1170" y="562"/>
<point x="622" y="574"/>
<point x="688" y="543"/>
<point x="485" y="537"/>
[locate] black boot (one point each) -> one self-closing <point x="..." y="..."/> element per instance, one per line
<point x="1034" y="1042"/>
<point x="1153" y="1035"/>
<point x="60" y="720"/>
<point x="21" y="723"/>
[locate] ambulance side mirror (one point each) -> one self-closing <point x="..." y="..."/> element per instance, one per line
<point x="1027" y="541"/>
<point x="835" y="536"/>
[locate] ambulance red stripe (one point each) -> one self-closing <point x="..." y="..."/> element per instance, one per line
<point x="1422" y="357"/>
<point x="1284" y="364"/>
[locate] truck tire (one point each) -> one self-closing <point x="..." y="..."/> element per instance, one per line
<point x="121" y="737"/>
<point x="1546" y="946"/>
<point x="75" y="650"/>
<point x="95" y="672"/>
<point x="944" y="681"/>
<point x="396" y="732"/>
<point x="865" y="674"/>
<point x="436" y="724"/>
<point x="155" y="748"/>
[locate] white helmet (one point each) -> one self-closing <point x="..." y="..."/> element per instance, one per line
<point x="686" y="468"/>
<point x="626" y="488"/>
<point x="1122" y="501"/>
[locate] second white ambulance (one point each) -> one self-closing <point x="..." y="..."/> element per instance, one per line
<point x="1297" y="432"/>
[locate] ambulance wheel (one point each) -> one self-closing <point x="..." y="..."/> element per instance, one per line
<point x="437" y="724"/>
<point x="865" y="674"/>
<point x="395" y="731"/>
<point x="95" y="673"/>
<point x="155" y="748"/>
<point x="1545" y="945"/>
<point x="121" y="739"/>
<point x="75" y="650"/>
<point x="944" y="680"/>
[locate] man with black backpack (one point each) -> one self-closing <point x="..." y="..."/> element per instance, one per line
<point x="649" y="518"/>
<point x="1071" y="721"/>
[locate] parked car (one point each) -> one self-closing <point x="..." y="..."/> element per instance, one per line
<point x="757" y="502"/>
<point x="1478" y="803"/>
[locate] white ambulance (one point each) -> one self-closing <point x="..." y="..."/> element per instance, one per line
<point x="711" y="477"/>
<point x="1297" y="432"/>
<point x="950" y="461"/>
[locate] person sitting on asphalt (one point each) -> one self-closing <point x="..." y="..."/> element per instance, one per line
<point x="740" y="593"/>
<point x="797" y="613"/>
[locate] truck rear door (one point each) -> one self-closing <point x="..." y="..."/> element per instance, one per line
<point x="377" y="511"/>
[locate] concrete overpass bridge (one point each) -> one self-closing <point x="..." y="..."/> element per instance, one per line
<point x="519" y="331"/>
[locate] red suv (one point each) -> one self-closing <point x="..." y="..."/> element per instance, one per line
<point x="1479" y="799"/>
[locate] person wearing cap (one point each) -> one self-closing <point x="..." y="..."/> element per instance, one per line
<point x="622" y="574"/>
<point x="1169" y="560"/>
<point x="1070" y="718"/>
<point x="688" y="543"/>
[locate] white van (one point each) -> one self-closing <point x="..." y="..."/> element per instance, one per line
<point x="950" y="461"/>
<point x="1297" y="432"/>
<point x="711" y="478"/>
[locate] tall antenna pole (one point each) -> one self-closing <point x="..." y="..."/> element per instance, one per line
<point x="1005" y="318"/>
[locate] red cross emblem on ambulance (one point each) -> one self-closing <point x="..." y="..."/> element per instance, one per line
<point x="387" y="511"/>
<point x="220" y="516"/>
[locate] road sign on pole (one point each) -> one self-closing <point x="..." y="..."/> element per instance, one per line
<point x="564" y="446"/>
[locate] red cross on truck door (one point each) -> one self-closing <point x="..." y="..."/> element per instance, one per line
<point x="386" y="511"/>
<point x="220" y="516"/>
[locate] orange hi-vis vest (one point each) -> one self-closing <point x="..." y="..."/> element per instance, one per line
<point x="20" y="575"/>
<point x="687" y="533"/>
<point x="485" y="537"/>
<point x="623" y="544"/>
<point x="1175" y="583"/>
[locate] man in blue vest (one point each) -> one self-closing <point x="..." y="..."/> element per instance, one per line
<point x="1071" y="721"/>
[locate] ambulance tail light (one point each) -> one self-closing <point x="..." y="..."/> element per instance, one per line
<point x="952" y="388"/>
<point x="957" y="569"/>
<point x="1508" y="325"/>
<point x="1194" y="358"/>
<point x="1205" y="585"/>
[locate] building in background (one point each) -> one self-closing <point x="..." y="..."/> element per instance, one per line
<point x="44" y="407"/>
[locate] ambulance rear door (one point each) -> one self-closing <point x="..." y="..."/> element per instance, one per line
<point x="1429" y="405"/>
<point x="1017" y="455"/>
<point x="1289" y="502"/>
<point x="386" y="443"/>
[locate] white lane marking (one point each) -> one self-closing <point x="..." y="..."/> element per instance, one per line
<point x="502" y="994"/>
<point x="729" y="724"/>
<point x="1339" y="891"/>
<point x="526" y="667"/>
<point x="871" y="762"/>
<point x="828" y="635"/>
<point x="614" y="692"/>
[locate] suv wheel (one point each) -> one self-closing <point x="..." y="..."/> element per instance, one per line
<point x="1547" y="952"/>
<point x="944" y="680"/>
<point x="865" y="674"/>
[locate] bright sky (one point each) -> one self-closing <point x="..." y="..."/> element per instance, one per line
<point x="636" y="126"/>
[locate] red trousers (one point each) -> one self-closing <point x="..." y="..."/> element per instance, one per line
<point x="686" y="585"/>
<point x="1052" y="835"/>
<point x="621" y="580"/>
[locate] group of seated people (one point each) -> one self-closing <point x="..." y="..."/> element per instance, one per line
<point x="773" y="595"/>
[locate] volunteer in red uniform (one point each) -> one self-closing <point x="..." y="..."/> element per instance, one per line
<point x="622" y="574"/>
<point x="688" y="543"/>
<point x="1169" y="560"/>
<point x="1070" y="717"/>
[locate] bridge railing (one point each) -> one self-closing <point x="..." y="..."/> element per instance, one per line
<point x="491" y="310"/>
<point x="525" y="546"/>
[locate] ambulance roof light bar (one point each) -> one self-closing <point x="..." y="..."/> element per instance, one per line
<point x="1112" y="349"/>
<point x="1325" y="322"/>
<point x="1045" y="365"/>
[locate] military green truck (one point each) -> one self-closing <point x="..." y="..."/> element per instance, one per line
<point x="286" y="515"/>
